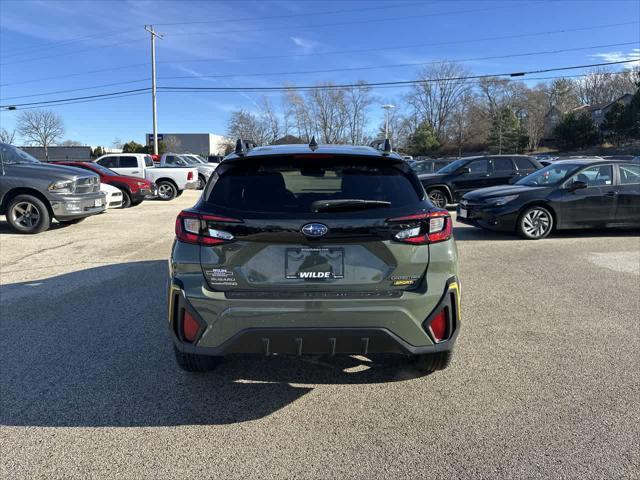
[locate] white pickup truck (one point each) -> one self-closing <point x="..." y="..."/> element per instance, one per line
<point x="171" y="181"/>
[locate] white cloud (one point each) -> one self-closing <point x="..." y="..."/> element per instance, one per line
<point x="634" y="54"/>
<point x="307" y="46"/>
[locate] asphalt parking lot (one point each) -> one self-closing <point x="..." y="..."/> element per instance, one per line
<point x="544" y="383"/>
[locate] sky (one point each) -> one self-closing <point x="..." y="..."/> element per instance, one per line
<point x="57" y="49"/>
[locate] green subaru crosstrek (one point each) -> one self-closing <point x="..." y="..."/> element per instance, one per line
<point x="328" y="249"/>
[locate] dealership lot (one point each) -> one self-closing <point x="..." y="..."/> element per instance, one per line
<point x="544" y="382"/>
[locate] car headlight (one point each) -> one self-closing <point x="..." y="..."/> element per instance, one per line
<point x="63" y="186"/>
<point x="499" y="201"/>
<point x="141" y="184"/>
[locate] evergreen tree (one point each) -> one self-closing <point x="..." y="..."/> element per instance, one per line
<point x="576" y="131"/>
<point x="507" y="135"/>
<point x="423" y="140"/>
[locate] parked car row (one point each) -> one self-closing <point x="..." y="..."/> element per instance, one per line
<point x="33" y="193"/>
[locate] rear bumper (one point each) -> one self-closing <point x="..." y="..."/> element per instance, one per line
<point x="338" y="328"/>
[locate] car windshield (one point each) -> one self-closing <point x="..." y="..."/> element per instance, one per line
<point x="550" y="175"/>
<point x="103" y="170"/>
<point x="453" y="166"/>
<point x="12" y="155"/>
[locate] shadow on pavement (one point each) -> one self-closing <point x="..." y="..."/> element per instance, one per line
<point x="90" y="348"/>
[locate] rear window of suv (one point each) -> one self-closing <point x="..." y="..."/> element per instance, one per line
<point x="293" y="185"/>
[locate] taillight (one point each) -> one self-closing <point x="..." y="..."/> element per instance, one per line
<point x="432" y="227"/>
<point x="189" y="176"/>
<point x="192" y="228"/>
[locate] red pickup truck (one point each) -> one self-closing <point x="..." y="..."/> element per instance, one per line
<point x="134" y="190"/>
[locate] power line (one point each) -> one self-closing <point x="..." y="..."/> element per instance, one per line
<point x="374" y="67"/>
<point x="293" y="15"/>
<point x="468" y="82"/>
<point x="321" y="87"/>
<point x="367" y="21"/>
<point x="397" y="47"/>
<point x="397" y="65"/>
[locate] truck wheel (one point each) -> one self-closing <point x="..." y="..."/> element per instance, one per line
<point x="201" y="182"/>
<point x="535" y="223"/>
<point x="167" y="190"/>
<point x="432" y="362"/>
<point x="126" y="199"/>
<point x="190" y="362"/>
<point x="28" y="214"/>
<point x="438" y="197"/>
<point x="72" y="222"/>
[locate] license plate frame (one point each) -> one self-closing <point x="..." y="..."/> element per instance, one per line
<point x="97" y="202"/>
<point x="324" y="263"/>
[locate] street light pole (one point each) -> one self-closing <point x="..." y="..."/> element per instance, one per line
<point x="149" y="28"/>
<point x="387" y="107"/>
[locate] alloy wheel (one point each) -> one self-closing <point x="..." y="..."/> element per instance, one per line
<point x="165" y="191"/>
<point x="26" y="214"/>
<point x="438" y="198"/>
<point x="536" y="223"/>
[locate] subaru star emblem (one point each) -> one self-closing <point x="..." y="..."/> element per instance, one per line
<point x="314" y="229"/>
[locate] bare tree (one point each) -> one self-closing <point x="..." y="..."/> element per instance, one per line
<point x="42" y="127"/>
<point x="270" y="120"/>
<point x="248" y="126"/>
<point x="328" y="112"/>
<point x="71" y="143"/>
<point x="356" y="102"/>
<point x="533" y="116"/>
<point x="436" y="97"/>
<point x="601" y="85"/>
<point x="7" y="136"/>
<point x="299" y="111"/>
<point x="561" y="94"/>
<point x="462" y="127"/>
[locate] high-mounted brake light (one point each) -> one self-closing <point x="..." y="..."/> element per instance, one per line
<point x="433" y="227"/>
<point x="192" y="228"/>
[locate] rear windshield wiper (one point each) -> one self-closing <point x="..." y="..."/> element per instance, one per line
<point x="347" y="205"/>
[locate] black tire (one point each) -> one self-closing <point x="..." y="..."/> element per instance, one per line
<point x="28" y="214"/>
<point x="535" y="223"/>
<point x="72" y="222"/>
<point x="180" y="192"/>
<point x="438" y="197"/>
<point x="432" y="362"/>
<point x="135" y="204"/>
<point x="167" y="190"/>
<point x="202" y="182"/>
<point x="126" y="199"/>
<point x="190" y="362"/>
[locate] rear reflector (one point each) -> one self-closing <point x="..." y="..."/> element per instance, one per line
<point x="438" y="325"/>
<point x="190" y="327"/>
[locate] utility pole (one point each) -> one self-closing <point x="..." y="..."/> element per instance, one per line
<point x="154" y="34"/>
<point x="387" y="107"/>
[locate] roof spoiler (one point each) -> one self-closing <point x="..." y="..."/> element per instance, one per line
<point x="243" y="146"/>
<point x="383" y="144"/>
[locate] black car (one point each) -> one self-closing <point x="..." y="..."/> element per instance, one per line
<point x="585" y="193"/>
<point x="429" y="165"/>
<point x="451" y="182"/>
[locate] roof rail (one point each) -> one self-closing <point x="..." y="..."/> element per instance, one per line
<point x="243" y="146"/>
<point x="382" y="144"/>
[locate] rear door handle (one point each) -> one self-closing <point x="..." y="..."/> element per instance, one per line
<point x="611" y="194"/>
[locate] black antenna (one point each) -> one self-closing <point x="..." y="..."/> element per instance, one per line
<point x="313" y="145"/>
<point x="387" y="147"/>
<point x="240" y="148"/>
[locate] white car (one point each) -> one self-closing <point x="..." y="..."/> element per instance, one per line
<point x="114" y="195"/>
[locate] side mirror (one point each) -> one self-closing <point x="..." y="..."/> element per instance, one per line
<point x="463" y="170"/>
<point x="577" y="185"/>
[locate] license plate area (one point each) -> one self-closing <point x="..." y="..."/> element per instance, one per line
<point x="97" y="202"/>
<point x="314" y="263"/>
<point x="463" y="213"/>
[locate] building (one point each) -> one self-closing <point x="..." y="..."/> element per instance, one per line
<point x="597" y="113"/>
<point x="203" y="144"/>
<point x="59" y="153"/>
